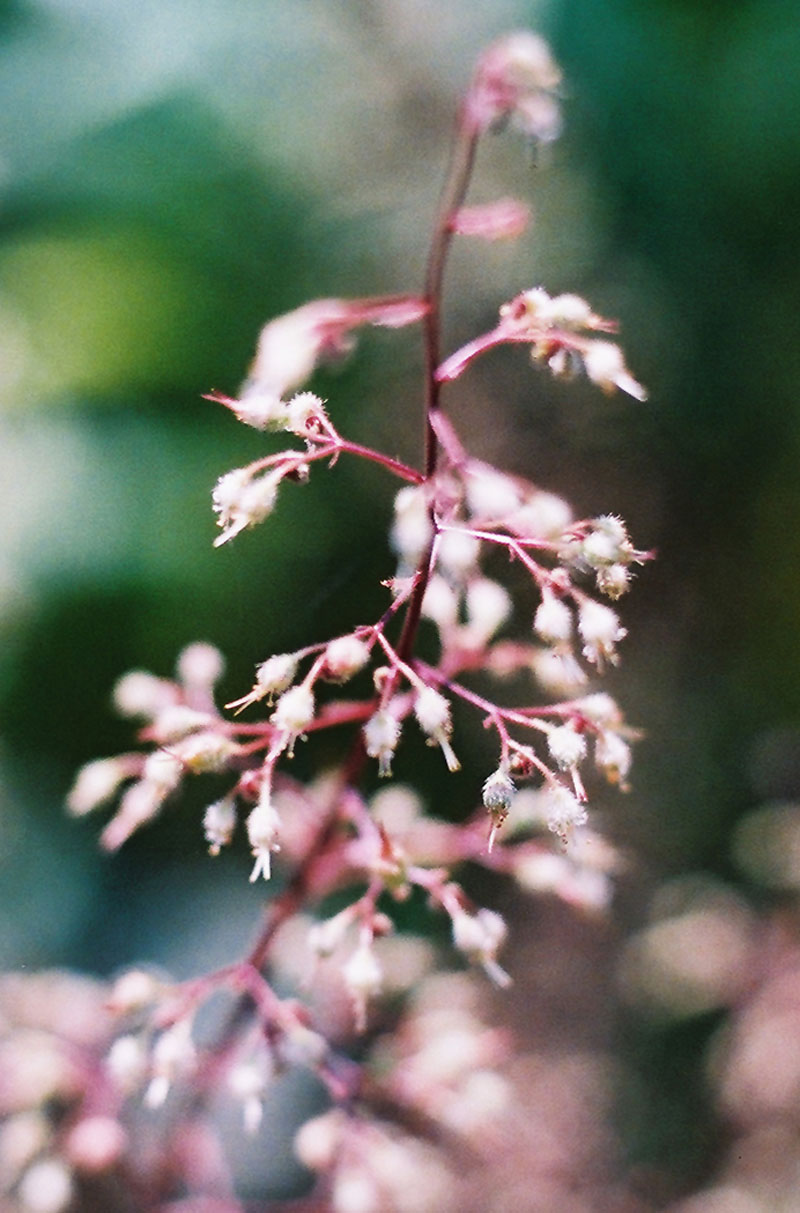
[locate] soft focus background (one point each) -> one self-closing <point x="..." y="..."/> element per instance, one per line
<point x="171" y="176"/>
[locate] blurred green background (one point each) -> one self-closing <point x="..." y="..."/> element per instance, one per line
<point x="171" y="176"/>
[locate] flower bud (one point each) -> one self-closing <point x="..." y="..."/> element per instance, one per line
<point x="96" y="783"/>
<point x="381" y="735"/>
<point x="600" y="630"/>
<point x="564" y="812"/>
<point x="219" y="822"/>
<point x="294" y="712"/>
<point x="567" y="747"/>
<point x="488" y="607"/>
<point x="344" y="657"/>
<point x="200" y="665"/>
<point x="553" y="619"/>
<point x="263" y="832"/>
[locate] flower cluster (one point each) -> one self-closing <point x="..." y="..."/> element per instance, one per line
<point x="459" y="523"/>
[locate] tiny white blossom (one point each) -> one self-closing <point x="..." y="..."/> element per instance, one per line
<point x="433" y="716"/>
<point x="412" y="529"/>
<point x="219" y="822"/>
<point x="613" y="757"/>
<point x="488" y="607"/>
<point x="363" y="977"/>
<point x="200" y="665"/>
<point x="553" y="619"/>
<point x="605" y="365"/>
<point x="498" y="791"/>
<point x="139" y="693"/>
<point x="302" y="410"/>
<point x="480" y="936"/>
<point x="600" y="630"/>
<point x="241" y="501"/>
<point x="491" y="495"/>
<point x="174" y="1056"/>
<point x="345" y="656"/>
<point x="543" y="516"/>
<point x="177" y="721"/>
<point x="294" y="712"/>
<point x="96" y="783"/>
<point x="440" y="603"/>
<point x="263" y="832"/>
<point x="381" y="735"/>
<point x="564" y="812"/>
<point x="457" y="554"/>
<point x="567" y="746"/>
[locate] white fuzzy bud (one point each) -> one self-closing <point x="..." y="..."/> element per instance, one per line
<point x="200" y="665"/>
<point x="614" y="580"/>
<point x="553" y="619"/>
<point x="480" y="936"/>
<point x="433" y="716"/>
<point x="491" y="495"/>
<point x="276" y="674"/>
<point x="498" y="791"/>
<point x="543" y="516"/>
<point x="205" y="753"/>
<point x="176" y="722"/>
<point x="440" y="603"/>
<point x="163" y="771"/>
<point x="304" y="410"/>
<point x="363" y="977"/>
<point x="613" y="757"/>
<point x="219" y="822"/>
<point x="412" y="529"/>
<point x="96" y="783"/>
<point x="263" y="833"/>
<point x="294" y="711"/>
<point x="567" y="747"/>
<point x="381" y="735"/>
<point x="263" y="410"/>
<point x="604" y="363"/>
<point x="600" y="709"/>
<point x="345" y="656"/>
<point x="140" y="693"/>
<point x="457" y="553"/>
<point x="488" y="607"/>
<point x="600" y="630"/>
<point x="564" y="812"/>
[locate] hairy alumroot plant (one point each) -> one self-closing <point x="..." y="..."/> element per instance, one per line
<point x="449" y="515"/>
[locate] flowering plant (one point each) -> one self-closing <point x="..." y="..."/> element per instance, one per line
<point x="330" y="836"/>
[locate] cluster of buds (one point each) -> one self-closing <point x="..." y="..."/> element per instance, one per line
<point x="454" y="522"/>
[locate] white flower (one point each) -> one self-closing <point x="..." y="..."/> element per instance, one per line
<point x="604" y="363"/>
<point x="263" y="831"/>
<point x="564" y="812"/>
<point x="174" y="1055"/>
<point x="457" y="553"/>
<point x="381" y="735"/>
<point x="302" y="410"/>
<point x="345" y="656"/>
<point x="488" y="607"/>
<point x="613" y="757"/>
<point x="480" y="936"/>
<point x="412" y="529"/>
<point x="600" y="629"/>
<point x="200" y="665"/>
<point x="567" y="747"/>
<point x="294" y="712"/>
<point x="433" y="716"/>
<point x="219" y="822"/>
<point x="440" y="603"/>
<point x="96" y="783"/>
<point x="139" y="693"/>
<point x="491" y="495"/>
<point x="241" y="501"/>
<point x="363" y="976"/>
<point x="553" y="619"/>
<point x="498" y="791"/>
